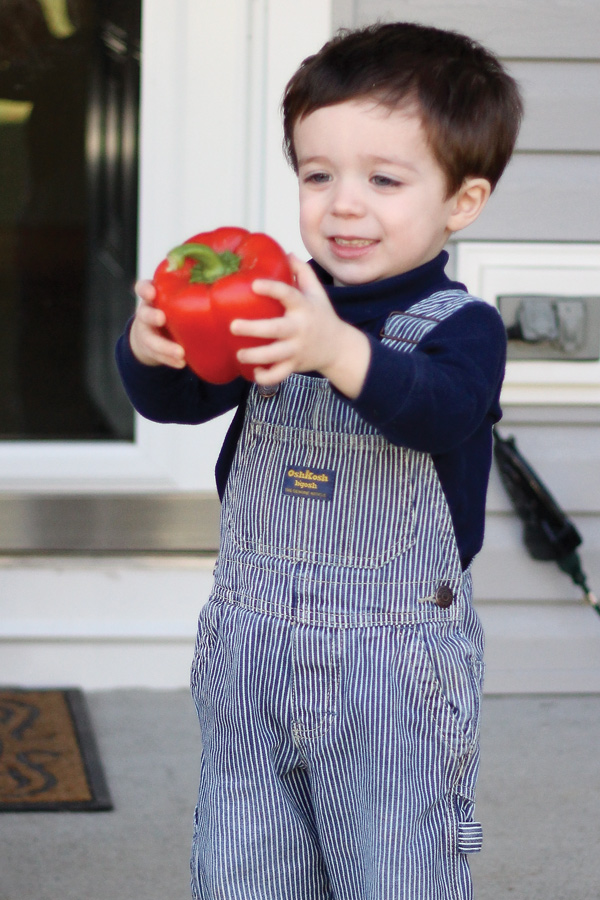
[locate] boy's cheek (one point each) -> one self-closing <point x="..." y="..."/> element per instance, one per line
<point x="311" y="237"/>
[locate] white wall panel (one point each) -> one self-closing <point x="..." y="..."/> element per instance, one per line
<point x="565" y="458"/>
<point x="543" y="197"/>
<point x="528" y="28"/>
<point x="504" y="572"/>
<point x="100" y="623"/>
<point x="562" y="104"/>
<point x="530" y="650"/>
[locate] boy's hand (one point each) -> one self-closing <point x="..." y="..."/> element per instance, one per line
<point x="148" y="341"/>
<point x="309" y="337"/>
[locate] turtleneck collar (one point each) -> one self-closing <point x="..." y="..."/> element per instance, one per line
<point x="369" y="305"/>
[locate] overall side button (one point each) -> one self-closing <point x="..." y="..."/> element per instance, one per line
<point x="444" y="596"/>
<point x="267" y="390"/>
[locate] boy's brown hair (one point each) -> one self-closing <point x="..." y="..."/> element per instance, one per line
<point x="470" y="107"/>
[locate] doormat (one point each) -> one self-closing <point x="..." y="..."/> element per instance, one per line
<point x="48" y="755"/>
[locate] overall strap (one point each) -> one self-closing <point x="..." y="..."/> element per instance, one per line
<point x="404" y="330"/>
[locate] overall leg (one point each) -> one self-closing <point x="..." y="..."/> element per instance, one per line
<point x="254" y="836"/>
<point x="393" y="775"/>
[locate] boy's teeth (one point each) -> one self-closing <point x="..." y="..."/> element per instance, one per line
<point x="352" y="242"/>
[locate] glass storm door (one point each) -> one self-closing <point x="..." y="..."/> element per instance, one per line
<point x="69" y="100"/>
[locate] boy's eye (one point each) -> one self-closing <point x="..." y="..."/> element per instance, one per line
<point x="317" y="178"/>
<point x="385" y="181"/>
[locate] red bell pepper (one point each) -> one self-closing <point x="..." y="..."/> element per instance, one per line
<point x="205" y="283"/>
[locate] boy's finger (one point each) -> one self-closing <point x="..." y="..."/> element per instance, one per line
<point x="272" y="375"/>
<point x="307" y="286"/>
<point x="168" y="352"/>
<point x="266" y="328"/>
<point x="278" y="290"/>
<point x="266" y="354"/>
<point x="306" y="278"/>
<point x="151" y="317"/>
<point x="145" y="290"/>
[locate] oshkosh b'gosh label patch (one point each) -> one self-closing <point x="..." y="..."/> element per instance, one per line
<point x="317" y="484"/>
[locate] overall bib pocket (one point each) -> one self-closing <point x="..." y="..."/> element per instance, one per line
<point x="316" y="497"/>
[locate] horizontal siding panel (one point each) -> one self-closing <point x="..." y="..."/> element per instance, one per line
<point x="534" y="650"/>
<point x="538" y="28"/>
<point x="102" y="598"/>
<point x="505" y="573"/>
<point x="565" y="459"/>
<point x="543" y="198"/>
<point x="100" y="623"/>
<point x="562" y="105"/>
<point x="343" y="14"/>
<point x="97" y="665"/>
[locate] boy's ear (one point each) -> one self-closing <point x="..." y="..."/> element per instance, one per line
<point x="469" y="200"/>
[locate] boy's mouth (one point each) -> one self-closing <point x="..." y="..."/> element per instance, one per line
<point x="351" y="248"/>
<point x="352" y="242"/>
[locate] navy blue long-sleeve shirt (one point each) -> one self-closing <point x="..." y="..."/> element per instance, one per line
<point x="442" y="399"/>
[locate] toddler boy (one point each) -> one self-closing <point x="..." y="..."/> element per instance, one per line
<point x="338" y="664"/>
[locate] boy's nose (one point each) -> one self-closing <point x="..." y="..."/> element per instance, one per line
<point x="347" y="200"/>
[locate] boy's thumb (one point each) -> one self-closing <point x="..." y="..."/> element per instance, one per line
<point x="306" y="279"/>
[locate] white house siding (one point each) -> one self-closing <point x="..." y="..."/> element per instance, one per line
<point x="540" y="636"/>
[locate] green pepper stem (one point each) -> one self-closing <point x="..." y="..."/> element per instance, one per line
<point x="210" y="265"/>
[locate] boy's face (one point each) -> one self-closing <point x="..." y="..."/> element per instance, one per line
<point x="372" y="196"/>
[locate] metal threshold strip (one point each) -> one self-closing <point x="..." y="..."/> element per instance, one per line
<point x="109" y="523"/>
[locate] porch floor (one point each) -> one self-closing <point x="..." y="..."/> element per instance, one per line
<point x="538" y="801"/>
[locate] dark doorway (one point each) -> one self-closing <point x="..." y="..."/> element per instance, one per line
<point x="69" y="110"/>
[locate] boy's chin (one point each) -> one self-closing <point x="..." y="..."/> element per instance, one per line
<point x="352" y="276"/>
<point x="356" y="278"/>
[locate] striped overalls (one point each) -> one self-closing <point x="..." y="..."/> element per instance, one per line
<point x="338" y="664"/>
